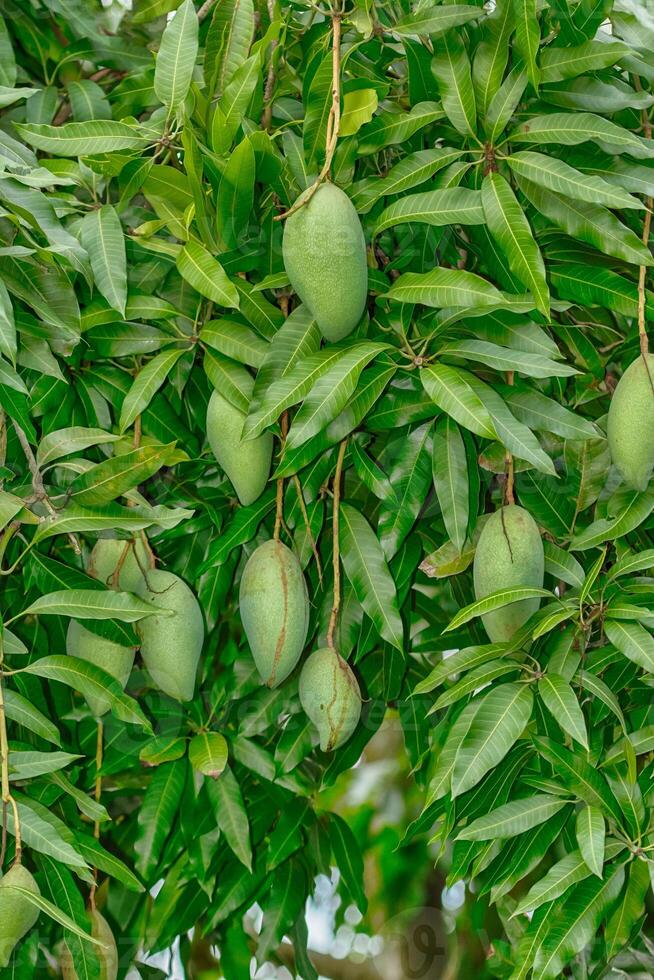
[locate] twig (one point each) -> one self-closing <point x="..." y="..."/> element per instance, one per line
<point x="305" y="516"/>
<point x="333" y="121"/>
<point x="279" y="509"/>
<point x="336" y="557"/>
<point x="37" y="483"/>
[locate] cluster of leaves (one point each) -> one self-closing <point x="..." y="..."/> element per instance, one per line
<point x="501" y="163"/>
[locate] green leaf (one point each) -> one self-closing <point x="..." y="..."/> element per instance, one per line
<point x="496" y="600"/>
<point x="368" y="573"/>
<point x="560" y="877"/>
<point x="505" y="102"/>
<point x="102" y="483"/>
<point x="508" y="225"/>
<point x="445" y="206"/>
<point x="437" y="20"/>
<point x="449" y="388"/>
<point x="146" y="384"/>
<point x="562" y="702"/>
<point x="576" y="923"/>
<point x="445" y="287"/>
<point x="156" y="816"/>
<point x="527" y="37"/>
<point x="570" y="129"/>
<point x="206" y="275"/>
<point x="590" y="831"/>
<point x="513" y="818"/>
<point x="450" y="473"/>
<point x="63" y="442"/>
<point x="556" y="175"/>
<point x="102" y="237"/>
<point x="500" y="718"/>
<point x="236" y="194"/>
<point x="633" y="641"/>
<point x="231" y="816"/>
<point x="451" y="67"/>
<point x="176" y="56"/>
<point x="207" y="753"/>
<point x="82" y="138"/>
<point x="89" y="679"/>
<point x="93" y="604"/>
<point x="20" y="710"/>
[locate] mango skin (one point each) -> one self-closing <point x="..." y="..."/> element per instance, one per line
<point x="17" y="914"/>
<point x="246" y="462"/>
<point x="171" y="645"/>
<point x="108" y="552"/>
<point x="108" y="957"/>
<point x="274" y="607"/>
<point x="324" y="254"/>
<point x="117" y="660"/>
<point x="509" y="553"/>
<point x="330" y="697"/>
<point x="630" y="424"/>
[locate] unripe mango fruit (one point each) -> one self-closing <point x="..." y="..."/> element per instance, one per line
<point x="509" y="554"/>
<point x="274" y="607"/>
<point x="246" y="462"/>
<point x="117" y="660"/>
<point x="630" y="425"/>
<point x="171" y="644"/>
<point x="325" y="258"/>
<point x="330" y="696"/>
<point x="107" y="953"/>
<point x="132" y="556"/>
<point x="17" y="914"/>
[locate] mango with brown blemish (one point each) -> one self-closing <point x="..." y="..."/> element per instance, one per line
<point x="274" y="607"/>
<point x="630" y="424"/>
<point x="330" y="696"/>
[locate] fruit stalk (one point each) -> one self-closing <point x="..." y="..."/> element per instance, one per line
<point x="336" y="558"/>
<point x="333" y="120"/>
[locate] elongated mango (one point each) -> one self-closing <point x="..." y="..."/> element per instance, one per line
<point x="246" y="462"/>
<point x="274" y="607"/>
<point x="509" y="554"/>
<point x="330" y="697"/>
<point x="171" y="644"/>
<point x="325" y="258"/>
<point x="117" y="660"/>
<point x="107" y="953"/>
<point x="119" y="563"/>
<point x="17" y="913"/>
<point x="630" y="425"/>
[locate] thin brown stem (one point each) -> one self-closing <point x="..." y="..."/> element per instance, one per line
<point x="279" y="508"/>
<point x="333" y="121"/>
<point x="336" y="556"/>
<point x="266" y="118"/>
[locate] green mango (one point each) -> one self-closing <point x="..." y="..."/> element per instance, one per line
<point x="630" y="425"/>
<point x="325" y="258"/>
<point x="117" y="660"/>
<point x="17" y="913"/>
<point x="509" y="554"/>
<point x="245" y="461"/>
<point x="330" y="697"/>
<point x="107" y="953"/>
<point x="171" y="644"/>
<point x="132" y="556"/>
<point x="274" y="607"/>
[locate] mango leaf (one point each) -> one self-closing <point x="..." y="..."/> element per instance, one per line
<point x="206" y="274"/>
<point x="102" y="237"/>
<point x="176" y="56"/>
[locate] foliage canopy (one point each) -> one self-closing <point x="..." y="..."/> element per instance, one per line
<point x="501" y="163"/>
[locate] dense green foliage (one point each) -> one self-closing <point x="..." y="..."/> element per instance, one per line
<point x="170" y="409"/>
